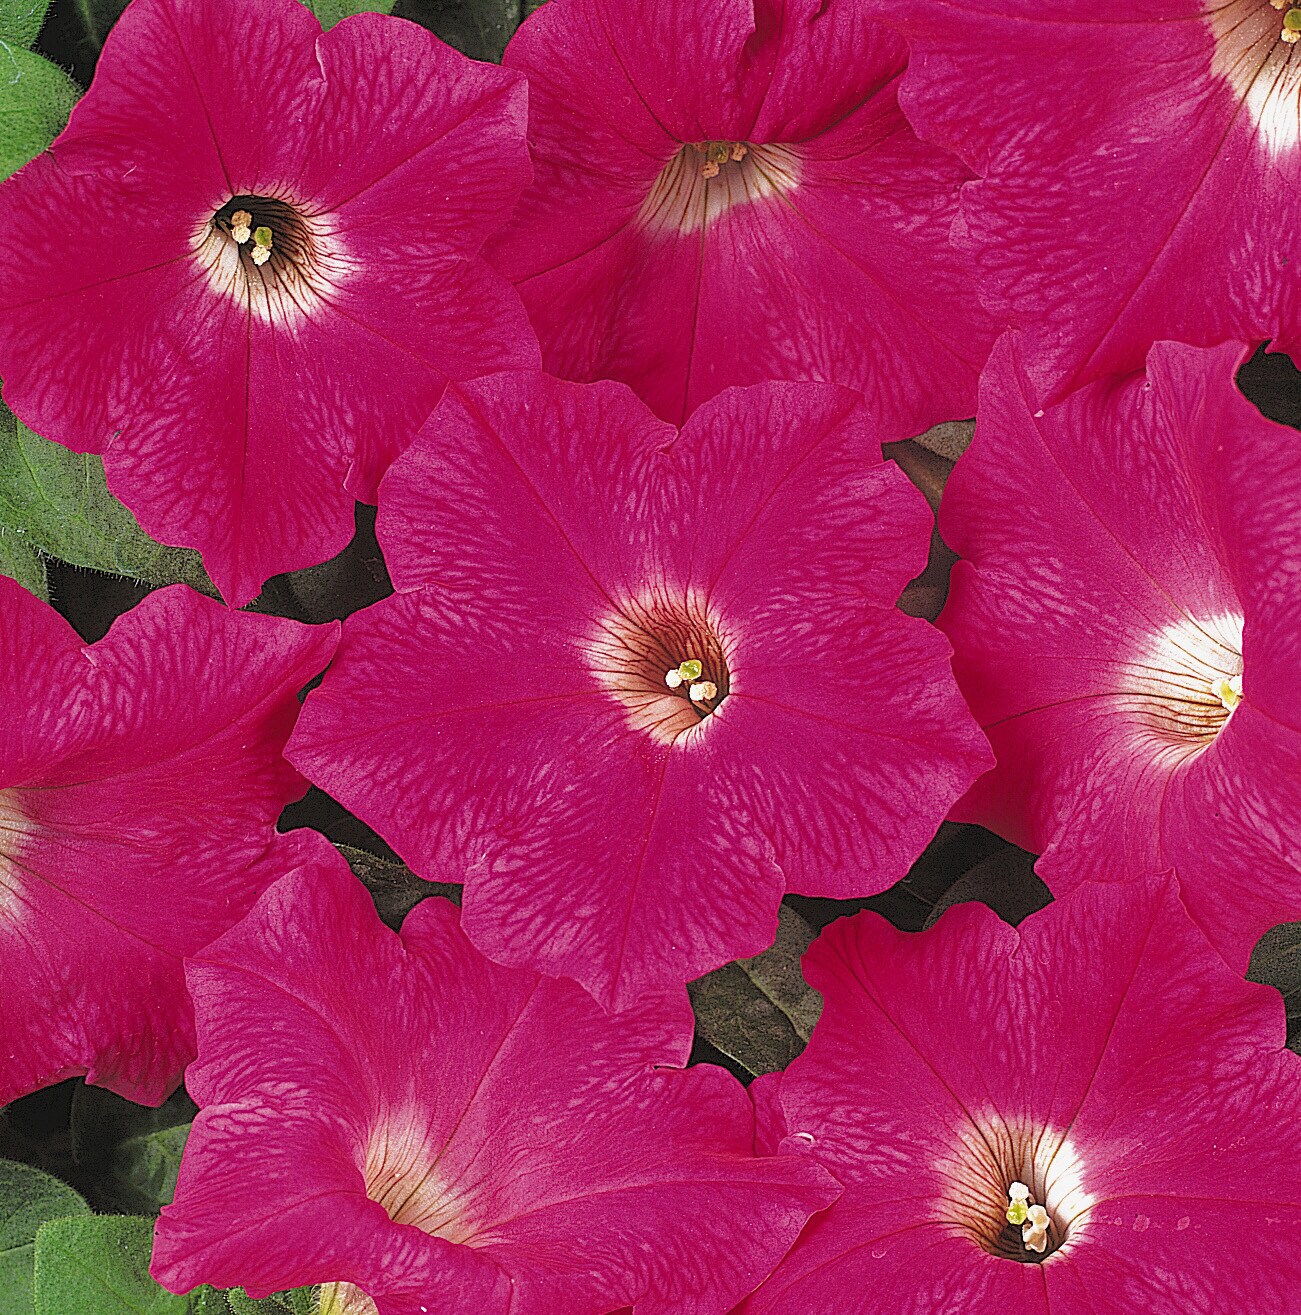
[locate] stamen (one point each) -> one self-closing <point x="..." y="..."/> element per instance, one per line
<point x="1017" y="1209"/>
<point x="262" y="248"/>
<point x="241" y="226"/>
<point x="673" y="678"/>
<point x="717" y="154"/>
<point x="1229" y="690"/>
<point x="1034" y="1232"/>
<point x="702" y="691"/>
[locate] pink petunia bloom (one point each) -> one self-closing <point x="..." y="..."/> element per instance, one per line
<point x="140" y="782"/>
<point x="427" y="1133"/>
<point x="248" y="268"/>
<point x="1125" y="630"/>
<point x="1141" y="169"/>
<point x="1101" y="1066"/>
<point x="636" y="685"/>
<point x="730" y="195"/>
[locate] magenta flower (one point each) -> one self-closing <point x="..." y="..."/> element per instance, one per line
<point x="1090" y="1116"/>
<point x="636" y="685"/>
<point x="140" y="782"/>
<point x="415" y="1127"/>
<point x="731" y="197"/>
<point x="1141" y="169"/>
<point x="247" y="269"/>
<point x="1125" y="630"/>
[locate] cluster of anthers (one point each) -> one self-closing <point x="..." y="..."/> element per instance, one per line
<point x="716" y="154"/>
<point x="1033" y="1219"/>
<point x="688" y="673"/>
<point x="1291" y="32"/>
<point x="241" y="229"/>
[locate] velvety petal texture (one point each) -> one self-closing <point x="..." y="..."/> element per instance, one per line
<point x="427" y="1133"/>
<point x="140" y="782"/>
<point x="1140" y="169"/>
<point x="517" y="716"/>
<point x="727" y="197"/>
<point x="1104" y="1057"/>
<point x="1124" y="626"/>
<point x="243" y="275"/>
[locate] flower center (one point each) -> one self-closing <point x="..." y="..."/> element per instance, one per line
<point x="706" y="179"/>
<point x="1254" y="44"/>
<point x="1016" y="1190"/>
<point x="1189" y="681"/>
<point x="399" y="1176"/>
<point x="14" y="830"/>
<point x="272" y="254"/>
<point x="666" y="662"/>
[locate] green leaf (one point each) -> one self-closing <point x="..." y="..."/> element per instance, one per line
<point x="478" y="28"/>
<point x="395" y="889"/>
<point x="20" y="21"/>
<point x="36" y="98"/>
<point x="1006" y="881"/>
<point x="760" y="1012"/>
<point x="58" y="501"/>
<point x="99" y="1265"/>
<point x="301" y="1301"/>
<point x="330" y="12"/>
<point x="146" y="1166"/>
<point x="21" y="562"/>
<point x="1276" y="962"/>
<point x="28" y="1199"/>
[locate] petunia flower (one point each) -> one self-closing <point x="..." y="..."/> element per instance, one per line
<point x="635" y="685"/>
<point x="140" y="782"/>
<point x="731" y="195"/>
<point x="426" y="1133"/>
<point x="247" y="269"/>
<point x="1141" y="169"/>
<point x="1125" y="630"/>
<point x="1092" y="1115"/>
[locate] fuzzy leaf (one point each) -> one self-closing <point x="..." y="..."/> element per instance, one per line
<point x="99" y="1265"/>
<point x="1276" y="961"/>
<point x="760" y="1011"/>
<point x="395" y="889"/>
<point x="1006" y="881"/>
<point x="28" y="1199"/>
<point x="330" y="12"/>
<point x="36" y="98"/>
<point x="21" y="562"/>
<point x="20" y="21"/>
<point x="146" y="1166"/>
<point x="301" y="1301"/>
<point x="478" y="28"/>
<point x="58" y="501"/>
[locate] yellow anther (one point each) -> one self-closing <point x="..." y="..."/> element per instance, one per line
<point x="673" y="678"/>
<point x="241" y="226"/>
<point x="702" y="691"/>
<point x="1228" y="689"/>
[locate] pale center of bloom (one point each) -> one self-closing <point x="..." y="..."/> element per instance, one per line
<point x="1016" y="1189"/>
<point x="1256" y="53"/>
<point x="666" y="661"/>
<point x="400" y="1175"/>
<point x="344" y="1299"/>
<point x="273" y="255"/>
<point x="704" y="180"/>
<point x="14" y="831"/>
<point x="1188" y="681"/>
<point x="400" y="1171"/>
